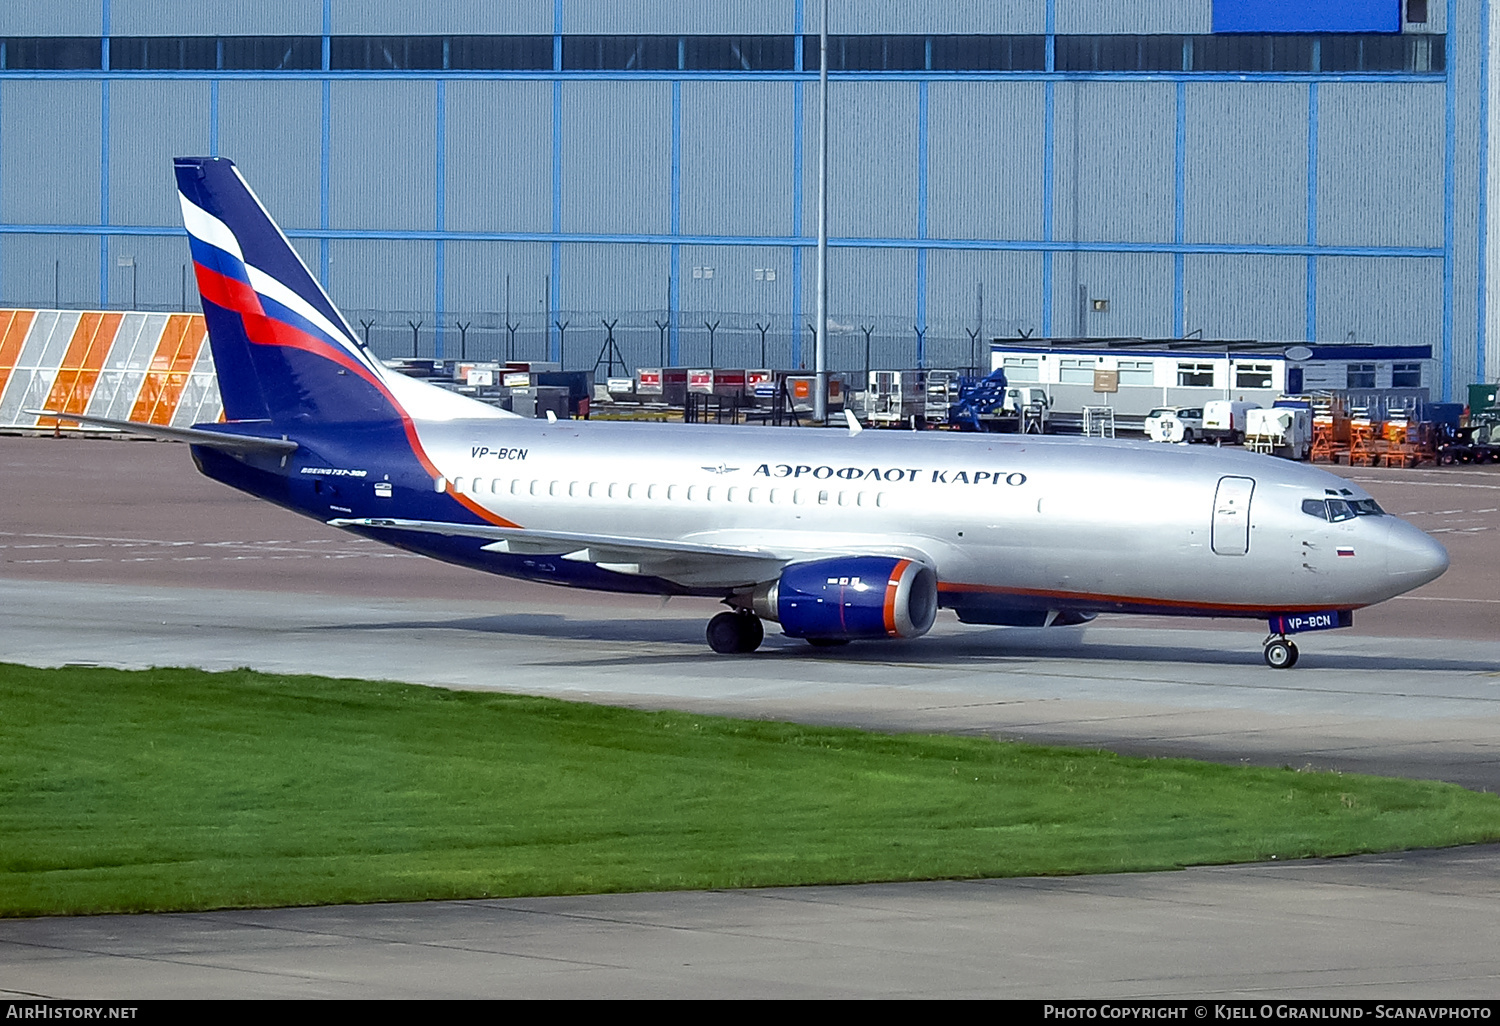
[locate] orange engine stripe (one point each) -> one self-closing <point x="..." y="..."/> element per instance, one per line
<point x="891" y="587"/>
<point x="16" y="324"/>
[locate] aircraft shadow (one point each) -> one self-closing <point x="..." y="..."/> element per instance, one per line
<point x="998" y="646"/>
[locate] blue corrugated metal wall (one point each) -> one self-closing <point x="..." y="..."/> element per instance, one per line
<point x="1274" y="206"/>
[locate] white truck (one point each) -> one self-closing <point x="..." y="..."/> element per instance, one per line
<point x="1224" y="419"/>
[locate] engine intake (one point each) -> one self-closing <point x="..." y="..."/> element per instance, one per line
<point x="848" y="597"/>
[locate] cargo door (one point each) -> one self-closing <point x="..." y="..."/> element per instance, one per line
<point x="1231" y="530"/>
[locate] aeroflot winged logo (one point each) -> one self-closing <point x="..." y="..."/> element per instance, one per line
<point x="721" y="469"/>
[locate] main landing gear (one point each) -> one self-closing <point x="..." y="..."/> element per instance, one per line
<point x="1280" y="653"/>
<point x="729" y="633"/>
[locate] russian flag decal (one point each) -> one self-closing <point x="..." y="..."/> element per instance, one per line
<point x="1345" y="551"/>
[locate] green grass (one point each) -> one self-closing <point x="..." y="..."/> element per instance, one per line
<point x="176" y="789"/>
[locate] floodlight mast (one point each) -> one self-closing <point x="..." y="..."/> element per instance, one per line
<point x="820" y="343"/>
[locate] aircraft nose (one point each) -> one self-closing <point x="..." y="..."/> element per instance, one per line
<point x="1413" y="557"/>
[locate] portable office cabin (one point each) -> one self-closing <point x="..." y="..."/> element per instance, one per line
<point x="1135" y="376"/>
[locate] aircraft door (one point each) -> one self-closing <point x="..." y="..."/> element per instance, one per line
<point x="1231" y="530"/>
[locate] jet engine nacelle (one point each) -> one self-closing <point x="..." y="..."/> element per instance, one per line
<point x="848" y="597"/>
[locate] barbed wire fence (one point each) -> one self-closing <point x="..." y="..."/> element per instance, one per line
<point x="578" y="339"/>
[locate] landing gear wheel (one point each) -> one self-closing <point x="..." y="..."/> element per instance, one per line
<point x="1281" y="654"/>
<point x="730" y="633"/>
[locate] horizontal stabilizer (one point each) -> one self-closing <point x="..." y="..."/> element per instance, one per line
<point x="193" y="436"/>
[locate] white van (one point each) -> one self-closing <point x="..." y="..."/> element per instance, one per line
<point x="1224" y="419"/>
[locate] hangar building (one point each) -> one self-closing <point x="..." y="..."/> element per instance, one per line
<point x="513" y="176"/>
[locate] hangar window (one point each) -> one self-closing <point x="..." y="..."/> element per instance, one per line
<point x="620" y="53"/>
<point x="1361" y="375"/>
<point x="1119" y="53"/>
<point x="1263" y="53"/>
<point x="51" y="53"/>
<point x="1252" y="375"/>
<point x="1136" y="372"/>
<point x="499" y="53"/>
<point x="272" y="53"/>
<point x="737" y="53"/>
<point x="385" y="53"/>
<point x="1406" y="375"/>
<point x="163" y="53"/>
<point x="989" y="53"/>
<point x="868" y="53"/>
<point x="1195" y="375"/>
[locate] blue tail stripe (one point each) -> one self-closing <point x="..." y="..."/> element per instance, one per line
<point x="215" y="258"/>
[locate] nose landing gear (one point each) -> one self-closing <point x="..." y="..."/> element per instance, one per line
<point x="1280" y="653"/>
<point x="736" y="632"/>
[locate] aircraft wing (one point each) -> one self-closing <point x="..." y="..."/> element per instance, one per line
<point x="687" y="563"/>
<point x="193" y="436"/>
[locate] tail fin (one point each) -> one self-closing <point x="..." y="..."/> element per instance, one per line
<point x="282" y="351"/>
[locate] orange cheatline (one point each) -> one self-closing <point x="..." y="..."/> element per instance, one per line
<point x="14" y="324"/>
<point x="80" y="367"/>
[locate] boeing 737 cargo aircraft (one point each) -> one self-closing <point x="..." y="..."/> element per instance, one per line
<point x="835" y="535"/>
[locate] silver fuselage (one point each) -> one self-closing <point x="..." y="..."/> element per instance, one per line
<point x="1050" y="522"/>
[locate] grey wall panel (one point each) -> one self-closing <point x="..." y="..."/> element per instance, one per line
<point x="863" y="284"/>
<point x="1138" y="286"/>
<point x="1232" y="296"/>
<point x="77" y="18"/>
<point x="194" y="18"/>
<point x="872" y="160"/>
<point x="1380" y="164"/>
<point x="1394" y="300"/>
<point x="1114" y="152"/>
<point x="162" y="266"/>
<point x="272" y="131"/>
<point x="1465" y="47"/>
<point x="383" y="160"/>
<point x="474" y="276"/>
<point x="985" y="160"/>
<point x="1092" y="17"/>
<point x="996" y="293"/>
<point x="617" y="157"/>
<point x="737" y="158"/>
<point x="609" y="279"/>
<point x="955" y="17"/>
<point x="642" y="17"/>
<point x="49" y="161"/>
<point x="149" y="124"/>
<point x="736" y="301"/>
<point x="499" y="159"/>
<point x="736" y="291"/>
<point x="462" y="17"/>
<point x="392" y="276"/>
<point x="1246" y="163"/>
<point x="49" y="270"/>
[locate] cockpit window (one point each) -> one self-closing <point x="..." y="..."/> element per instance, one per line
<point x="1337" y="510"/>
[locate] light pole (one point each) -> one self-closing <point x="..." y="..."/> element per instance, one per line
<point x="820" y="344"/>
